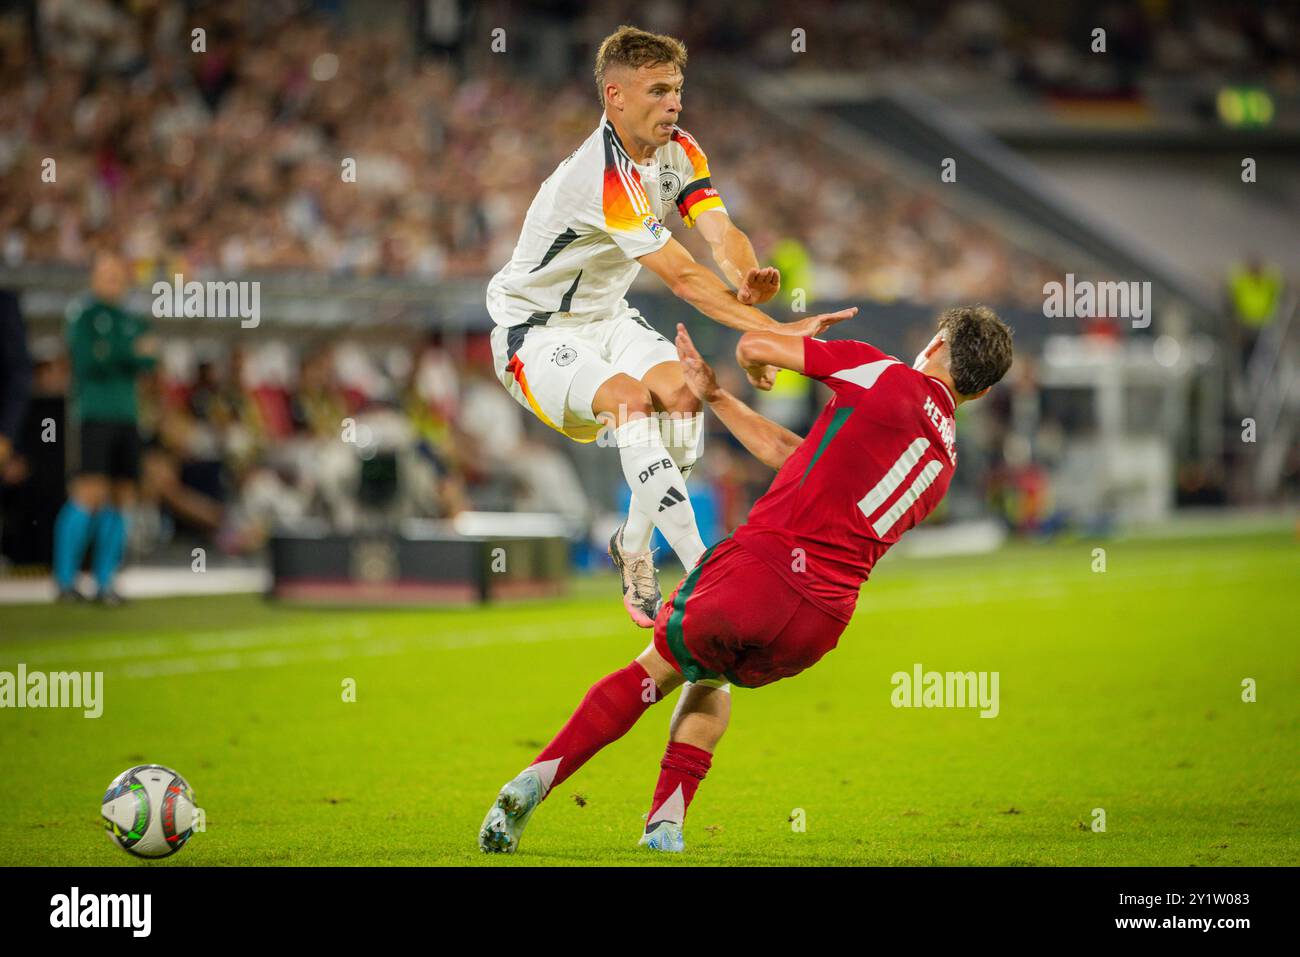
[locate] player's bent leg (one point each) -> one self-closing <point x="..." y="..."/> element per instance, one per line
<point x="621" y="399"/>
<point x="657" y="484"/>
<point x="667" y="385"/>
<point x="704" y="630"/>
<point x="618" y="400"/>
<point x="702" y="714"/>
<point x="681" y="427"/>
<point x="661" y="833"/>
<point x="698" y="723"/>
<point x="665" y="675"/>
<point x="608" y="711"/>
<point x="681" y="415"/>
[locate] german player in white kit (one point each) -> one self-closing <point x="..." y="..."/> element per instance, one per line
<point x="567" y="344"/>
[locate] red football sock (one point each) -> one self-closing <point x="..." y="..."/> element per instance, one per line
<point x="683" y="768"/>
<point x="612" y="705"/>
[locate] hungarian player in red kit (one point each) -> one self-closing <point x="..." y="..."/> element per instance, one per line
<point x="773" y="598"/>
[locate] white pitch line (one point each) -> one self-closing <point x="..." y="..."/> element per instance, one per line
<point x="382" y="647"/>
<point x="99" y="650"/>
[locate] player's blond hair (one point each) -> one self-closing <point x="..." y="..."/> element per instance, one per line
<point x="630" y="47"/>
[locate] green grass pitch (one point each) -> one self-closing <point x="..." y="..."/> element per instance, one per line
<point x="1119" y="690"/>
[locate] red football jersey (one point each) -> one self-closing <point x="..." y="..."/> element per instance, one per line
<point x="877" y="462"/>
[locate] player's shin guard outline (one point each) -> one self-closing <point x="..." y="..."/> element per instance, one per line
<point x="683" y="438"/>
<point x="657" y="482"/>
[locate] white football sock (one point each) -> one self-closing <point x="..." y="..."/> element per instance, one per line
<point x="639" y="527"/>
<point x="683" y="437"/>
<point x="658" y="488"/>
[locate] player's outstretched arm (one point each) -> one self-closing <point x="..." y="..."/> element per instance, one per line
<point x="694" y="283"/>
<point x="700" y="286"/>
<point x="768" y="442"/>
<point x="756" y="350"/>
<point x="734" y="254"/>
<point x="761" y="354"/>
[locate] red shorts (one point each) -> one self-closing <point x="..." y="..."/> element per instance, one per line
<point x="734" y="617"/>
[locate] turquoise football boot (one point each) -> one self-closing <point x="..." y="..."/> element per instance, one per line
<point x="664" y="836"/>
<point x="509" y="814"/>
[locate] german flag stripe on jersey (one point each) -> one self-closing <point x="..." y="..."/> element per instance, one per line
<point x="699" y="194"/>
<point x="624" y="201"/>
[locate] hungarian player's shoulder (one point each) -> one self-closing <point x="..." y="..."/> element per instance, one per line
<point x="849" y="360"/>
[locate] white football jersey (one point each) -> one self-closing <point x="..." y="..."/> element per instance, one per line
<point x="591" y="219"/>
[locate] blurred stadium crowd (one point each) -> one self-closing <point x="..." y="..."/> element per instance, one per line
<point x="232" y="160"/>
<point x="229" y="164"/>
<point x="358" y="437"/>
<point x="1014" y="41"/>
<point x="239" y="440"/>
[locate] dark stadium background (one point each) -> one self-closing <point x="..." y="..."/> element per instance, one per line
<point x="226" y="166"/>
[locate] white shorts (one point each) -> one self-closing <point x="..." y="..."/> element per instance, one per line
<point x="556" y="369"/>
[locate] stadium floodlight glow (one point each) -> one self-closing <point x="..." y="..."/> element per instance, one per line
<point x="1166" y="351"/>
<point x="1245" y="106"/>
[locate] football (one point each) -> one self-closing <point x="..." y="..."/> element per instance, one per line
<point x="148" y="811"/>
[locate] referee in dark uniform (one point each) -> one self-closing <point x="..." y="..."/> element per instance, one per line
<point x="110" y="347"/>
